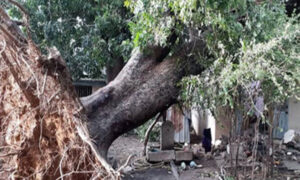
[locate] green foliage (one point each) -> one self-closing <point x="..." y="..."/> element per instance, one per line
<point x="248" y="41"/>
<point x="90" y="34"/>
<point x="151" y="24"/>
<point x="229" y="178"/>
<point x="273" y="60"/>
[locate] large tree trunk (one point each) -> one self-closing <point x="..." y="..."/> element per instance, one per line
<point x="144" y="87"/>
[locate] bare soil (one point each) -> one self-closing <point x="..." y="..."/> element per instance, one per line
<point x="123" y="147"/>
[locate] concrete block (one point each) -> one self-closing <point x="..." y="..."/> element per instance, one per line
<point x="167" y="136"/>
<point x="166" y="155"/>
<point x="183" y="155"/>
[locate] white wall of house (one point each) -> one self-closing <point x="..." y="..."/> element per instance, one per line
<point x="211" y="123"/>
<point x="219" y="125"/>
<point x="294" y="114"/>
<point x="198" y="120"/>
<point x="202" y="119"/>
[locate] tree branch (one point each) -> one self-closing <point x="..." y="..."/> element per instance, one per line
<point x="147" y="135"/>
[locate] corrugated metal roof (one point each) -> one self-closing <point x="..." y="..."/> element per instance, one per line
<point x="90" y="82"/>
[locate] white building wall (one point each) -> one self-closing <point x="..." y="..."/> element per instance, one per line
<point x="198" y="121"/>
<point x="294" y="114"/>
<point x="202" y="119"/>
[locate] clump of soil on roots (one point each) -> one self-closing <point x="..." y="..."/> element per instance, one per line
<point x="43" y="133"/>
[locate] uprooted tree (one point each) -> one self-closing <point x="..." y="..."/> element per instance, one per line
<point x="43" y="131"/>
<point x="48" y="133"/>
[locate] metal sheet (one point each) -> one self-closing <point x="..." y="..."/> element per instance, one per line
<point x="280" y="124"/>
<point x="181" y="124"/>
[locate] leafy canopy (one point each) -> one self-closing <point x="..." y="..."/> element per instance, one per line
<point x="90" y="34"/>
<point x="249" y="41"/>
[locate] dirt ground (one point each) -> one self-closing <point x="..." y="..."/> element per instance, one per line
<point x="165" y="174"/>
<point x="124" y="146"/>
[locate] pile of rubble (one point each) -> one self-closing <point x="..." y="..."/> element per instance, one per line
<point x="287" y="153"/>
<point x="239" y="154"/>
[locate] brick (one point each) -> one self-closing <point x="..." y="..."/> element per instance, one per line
<point x="183" y="155"/>
<point x="167" y="136"/>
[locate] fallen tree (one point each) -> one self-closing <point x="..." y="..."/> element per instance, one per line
<point x="144" y="87"/>
<point x="48" y="133"/>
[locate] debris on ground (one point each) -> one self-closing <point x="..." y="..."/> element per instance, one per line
<point x="225" y="157"/>
<point x="291" y="136"/>
<point x="239" y="154"/>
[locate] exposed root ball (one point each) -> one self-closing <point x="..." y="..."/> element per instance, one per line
<point x="42" y="133"/>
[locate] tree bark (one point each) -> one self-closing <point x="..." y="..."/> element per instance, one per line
<point x="144" y="87"/>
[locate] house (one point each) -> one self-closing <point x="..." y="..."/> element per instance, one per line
<point x="185" y="119"/>
<point x="85" y="87"/>
<point x="219" y="125"/>
<point x="293" y="114"/>
<point x="285" y="117"/>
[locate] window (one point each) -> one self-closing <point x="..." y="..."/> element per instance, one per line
<point x="83" y="91"/>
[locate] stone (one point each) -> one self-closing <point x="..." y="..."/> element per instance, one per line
<point x="183" y="166"/>
<point x="127" y="169"/>
<point x="193" y="164"/>
<point x="291" y="136"/>
<point x="184" y="155"/>
<point x="167" y="136"/>
<point x="233" y="149"/>
<point x="294" y="158"/>
<point x="158" y="156"/>
<point x="291" y="165"/>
